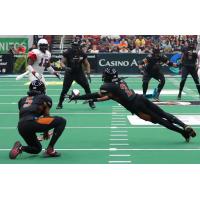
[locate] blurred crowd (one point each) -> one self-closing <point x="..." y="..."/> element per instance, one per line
<point x="136" y="44"/>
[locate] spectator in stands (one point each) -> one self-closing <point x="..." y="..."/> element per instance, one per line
<point x="136" y="50"/>
<point x="123" y="43"/>
<point x="114" y="49"/>
<point x="94" y="49"/>
<point x="140" y="41"/>
<point x="167" y="47"/>
<point x="123" y="50"/>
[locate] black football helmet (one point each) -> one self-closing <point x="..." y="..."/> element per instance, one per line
<point x="110" y="75"/>
<point x="37" y="87"/>
<point x="156" y="52"/>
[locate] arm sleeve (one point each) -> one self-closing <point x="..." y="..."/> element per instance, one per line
<point x="50" y="70"/>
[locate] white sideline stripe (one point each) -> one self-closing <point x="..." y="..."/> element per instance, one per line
<point x="119" y="131"/>
<point x="117" y="149"/>
<point x="119" y="161"/>
<point x="105" y="127"/>
<point x="118" y="139"/>
<point x="118" y="135"/>
<point x="125" y="155"/>
<point x="119" y="144"/>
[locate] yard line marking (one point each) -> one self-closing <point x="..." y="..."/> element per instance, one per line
<point x="119" y="161"/>
<point x="118" y="121"/>
<point x="118" y="139"/>
<point x="119" y="144"/>
<point x="117" y="149"/>
<point x="119" y="118"/>
<point x="125" y="155"/>
<point x="118" y="135"/>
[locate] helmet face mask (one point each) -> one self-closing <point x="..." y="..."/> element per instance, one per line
<point x="43" y="45"/>
<point x="37" y="87"/>
<point x="110" y="75"/>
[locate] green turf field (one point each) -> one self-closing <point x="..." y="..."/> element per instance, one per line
<point x="103" y="135"/>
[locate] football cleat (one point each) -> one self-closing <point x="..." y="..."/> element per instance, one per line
<point x="92" y="104"/>
<point x="50" y="152"/>
<point x="59" y="106"/>
<point x="190" y="131"/>
<point x="16" y="150"/>
<point x="179" y="97"/>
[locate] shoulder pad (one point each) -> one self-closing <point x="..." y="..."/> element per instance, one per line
<point x="32" y="55"/>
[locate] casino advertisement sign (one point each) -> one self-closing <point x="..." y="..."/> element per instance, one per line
<point x="128" y="62"/>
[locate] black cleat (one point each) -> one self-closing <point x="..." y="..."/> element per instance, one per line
<point x="91" y="104"/>
<point x="59" y="106"/>
<point x="16" y="150"/>
<point x="179" y="97"/>
<point x="50" y="152"/>
<point x="190" y="131"/>
<point x="187" y="137"/>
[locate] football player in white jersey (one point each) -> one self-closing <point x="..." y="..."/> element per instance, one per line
<point x="38" y="61"/>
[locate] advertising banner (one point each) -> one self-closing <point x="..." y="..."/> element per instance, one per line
<point x="6" y="64"/>
<point x="7" y="43"/>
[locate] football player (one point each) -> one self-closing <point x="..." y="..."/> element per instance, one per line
<point x="116" y="89"/>
<point x="73" y="59"/>
<point x="150" y="68"/>
<point x="34" y="117"/>
<point x="38" y="60"/>
<point x="189" y="61"/>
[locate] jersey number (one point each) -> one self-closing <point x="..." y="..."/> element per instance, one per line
<point x="28" y="102"/>
<point x="126" y="90"/>
<point x="44" y="62"/>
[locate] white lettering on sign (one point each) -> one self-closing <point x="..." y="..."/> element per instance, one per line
<point x="116" y="63"/>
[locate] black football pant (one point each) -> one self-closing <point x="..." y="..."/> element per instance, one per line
<point x="149" y="111"/>
<point x="28" y="130"/>
<point x="185" y="72"/>
<point x="79" y="77"/>
<point x="156" y="75"/>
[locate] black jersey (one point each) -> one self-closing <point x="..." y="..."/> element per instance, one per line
<point x="120" y="92"/>
<point x="31" y="107"/>
<point x="189" y="58"/>
<point x="153" y="63"/>
<point x="74" y="59"/>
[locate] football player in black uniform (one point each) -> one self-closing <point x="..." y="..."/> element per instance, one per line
<point x="73" y="58"/>
<point x="188" y="61"/>
<point x="150" y="68"/>
<point x="34" y="117"/>
<point x="116" y="89"/>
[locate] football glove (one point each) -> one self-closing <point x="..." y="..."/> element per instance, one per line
<point x="58" y="75"/>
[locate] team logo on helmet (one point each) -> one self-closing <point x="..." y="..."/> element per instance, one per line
<point x="110" y="75"/>
<point x="38" y="86"/>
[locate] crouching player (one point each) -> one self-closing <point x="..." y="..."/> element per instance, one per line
<point x="34" y="117"/>
<point x="116" y="89"/>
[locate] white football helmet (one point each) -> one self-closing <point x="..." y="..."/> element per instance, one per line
<point x="43" y="45"/>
